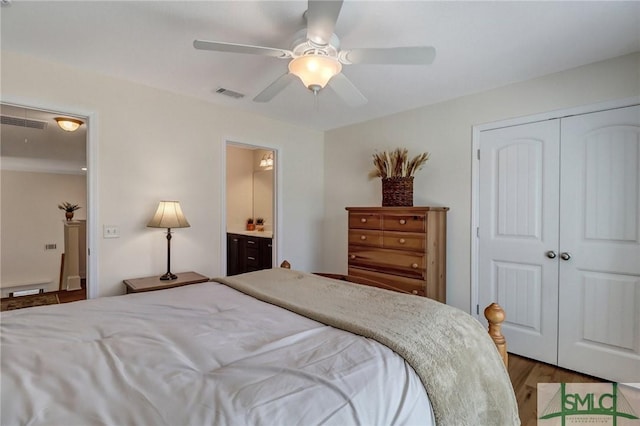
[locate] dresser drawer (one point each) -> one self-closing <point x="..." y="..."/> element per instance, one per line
<point x="404" y="223"/>
<point x="395" y="262"/>
<point x="365" y="221"/>
<point x="413" y="286"/>
<point x="365" y="237"/>
<point x="403" y="241"/>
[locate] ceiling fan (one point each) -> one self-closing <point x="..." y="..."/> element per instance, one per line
<point x="316" y="58"/>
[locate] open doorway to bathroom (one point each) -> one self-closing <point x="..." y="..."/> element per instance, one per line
<point x="250" y="207"/>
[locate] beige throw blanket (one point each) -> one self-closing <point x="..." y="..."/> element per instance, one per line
<point x="450" y="351"/>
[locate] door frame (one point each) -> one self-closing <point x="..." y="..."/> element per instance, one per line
<point x="474" y="308"/>
<point x="277" y="203"/>
<point x="90" y="120"/>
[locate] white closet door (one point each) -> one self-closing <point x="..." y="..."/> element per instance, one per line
<point x="599" y="286"/>
<point x="518" y="233"/>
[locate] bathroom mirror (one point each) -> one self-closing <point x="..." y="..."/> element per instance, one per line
<point x="263" y="195"/>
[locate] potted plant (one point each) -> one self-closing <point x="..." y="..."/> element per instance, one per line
<point x="250" y="224"/>
<point x="69" y="209"/>
<point x="260" y="224"/>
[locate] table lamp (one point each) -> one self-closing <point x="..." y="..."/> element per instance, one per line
<point x="169" y="215"/>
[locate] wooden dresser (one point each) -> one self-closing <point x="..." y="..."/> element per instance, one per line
<point x="402" y="246"/>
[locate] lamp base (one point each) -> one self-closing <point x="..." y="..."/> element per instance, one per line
<point x="168" y="276"/>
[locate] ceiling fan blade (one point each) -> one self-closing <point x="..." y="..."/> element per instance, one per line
<point x="347" y="91"/>
<point x="321" y="20"/>
<point x="274" y="88"/>
<point x="420" y="55"/>
<point x="219" y="46"/>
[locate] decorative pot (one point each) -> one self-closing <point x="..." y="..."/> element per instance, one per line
<point x="251" y="226"/>
<point x="397" y="191"/>
<point x="68" y="215"/>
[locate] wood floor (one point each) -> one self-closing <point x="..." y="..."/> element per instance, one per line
<point x="72" y="295"/>
<point x="526" y="374"/>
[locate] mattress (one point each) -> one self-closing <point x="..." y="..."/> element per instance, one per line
<point x="195" y="355"/>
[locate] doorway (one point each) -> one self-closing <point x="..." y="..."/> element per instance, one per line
<point x="43" y="167"/>
<point x="250" y="219"/>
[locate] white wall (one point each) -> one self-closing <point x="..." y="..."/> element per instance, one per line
<point x="445" y="130"/>
<point x="30" y="219"/>
<point x="154" y="145"/>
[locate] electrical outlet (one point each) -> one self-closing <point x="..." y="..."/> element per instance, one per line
<point x="110" y="231"/>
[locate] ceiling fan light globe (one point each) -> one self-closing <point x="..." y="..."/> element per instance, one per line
<point x="314" y="70"/>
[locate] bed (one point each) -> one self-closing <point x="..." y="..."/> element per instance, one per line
<point x="273" y="347"/>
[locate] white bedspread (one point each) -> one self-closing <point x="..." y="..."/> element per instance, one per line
<point x="202" y="354"/>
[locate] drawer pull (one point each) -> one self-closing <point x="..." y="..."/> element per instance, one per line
<point x="251" y="258"/>
<point x="250" y="242"/>
<point x="363" y="220"/>
<point x="414" y="265"/>
<point x="403" y="222"/>
<point x="401" y="241"/>
<point x="414" y="291"/>
<point x="352" y="256"/>
<point x="363" y="237"/>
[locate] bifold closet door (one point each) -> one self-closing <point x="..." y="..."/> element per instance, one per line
<point x="599" y="253"/>
<point x="518" y="233"/>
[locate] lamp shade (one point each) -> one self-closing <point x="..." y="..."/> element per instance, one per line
<point x="168" y="215"/>
<point x="315" y="71"/>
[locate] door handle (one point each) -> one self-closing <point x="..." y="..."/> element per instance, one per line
<point x="565" y="255"/>
<point x="551" y="254"/>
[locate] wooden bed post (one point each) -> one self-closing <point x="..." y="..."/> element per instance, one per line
<point x="285" y="265"/>
<point x="495" y="316"/>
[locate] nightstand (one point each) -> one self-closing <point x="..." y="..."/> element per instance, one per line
<point x="137" y="285"/>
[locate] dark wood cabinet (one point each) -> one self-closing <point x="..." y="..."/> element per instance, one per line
<point x="234" y="252"/>
<point x="246" y="253"/>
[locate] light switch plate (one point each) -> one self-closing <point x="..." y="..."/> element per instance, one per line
<point x="110" y="231"/>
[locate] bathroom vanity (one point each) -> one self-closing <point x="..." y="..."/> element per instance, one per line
<point x="248" y="251"/>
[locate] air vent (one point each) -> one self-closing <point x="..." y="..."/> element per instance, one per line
<point x="230" y="93"/>
<point x="22" y="122"/>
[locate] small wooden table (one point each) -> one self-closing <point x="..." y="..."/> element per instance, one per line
<point x="137" y="285"/>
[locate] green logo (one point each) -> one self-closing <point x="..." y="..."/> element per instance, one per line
<point x="611" y="403"/>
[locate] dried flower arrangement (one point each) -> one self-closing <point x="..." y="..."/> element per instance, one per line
<point x="397" y="163"/>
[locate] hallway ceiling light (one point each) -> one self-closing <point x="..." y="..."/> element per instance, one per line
<point x="68" y="124"/>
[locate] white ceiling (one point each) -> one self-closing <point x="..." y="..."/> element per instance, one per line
<point x="49" y="149"/>
<point x="480" y="45"/>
